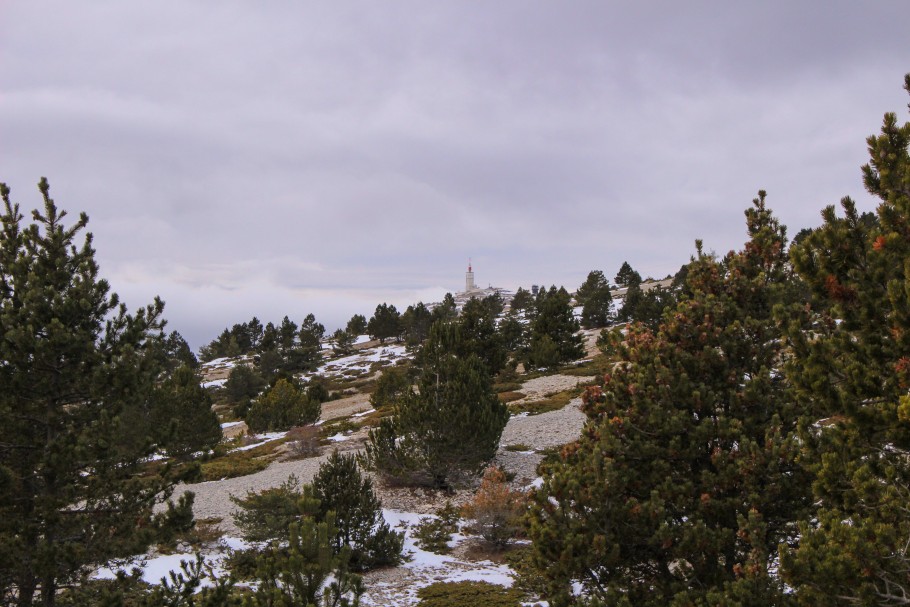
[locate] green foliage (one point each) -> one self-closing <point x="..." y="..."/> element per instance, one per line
<point x="232" y="465"/>
<point x="299" y="573"/>
<point x="181" y="415"/>
<point x="73" y="362"/>
<point x="385" y="323"/>
<point x="391" y="386"/>
<point x="446" y="310"/>
<point x="480" y="335"/>
<point x="851" y="366"/>
<point x="338" y="492"/>
<point x="357" y="325"/>
<point x="449" y="428"/>
<point x="433" y="534"/>
<point x="687" y="475"/>
<point x="242" y="386"/>
<point x="468" y="594"/>
<point x="521" y="301"/>
<point x="282" y="406"/>
<point x="626" y="276"/>
<point x="646" y="304"/>
<point x="596" y="300"/>
<point x="268" y="514"/>
<point x="554" y="331"/>
<point x="341" y="488"/>
<point x="415" y="324"/>
<point x="342" y="342"/>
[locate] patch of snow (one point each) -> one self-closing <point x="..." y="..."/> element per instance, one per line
<point x="215" y="383"/>
<point x="230" y="424"/>
<point x="362" y="339"/>
<point x="262" y="439"/>
<point x="362" y="413"/>
<point x="337" y="438"/>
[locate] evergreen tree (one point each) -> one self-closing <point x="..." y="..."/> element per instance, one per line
<point x="176" y="353"/>
<point x="242" y="386"/>
<point x="182" y="416"/>
<point x="391" y="386"/>
<point x="686" y="477"/>
<point x="341" y="488"/>
<point x="306" y="571"/>
<point x="554" y="330"/>
<point x="357" y="325"/>
<point x="281" y="407"/>
<point x="269" y="338"/>
<point x="286" y="334"/>
<point x="596" y="300"/>
<point x="851" y="365"/>
<point x="522" y="300"/>
<point x="255" y="333"/>
<point x="627" y="276"/>
<point x="449" y="428"/>
<point x="72" y="360"/>
<point x="415" y="324"/>
<point x="446" y="310"/>
<point x="311" y="333"/>
<point x="479" y="334"/>
<point x="385" y="323"/>
<point x="342" y="342"/>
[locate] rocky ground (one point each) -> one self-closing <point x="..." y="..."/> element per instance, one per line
<point x="395" y="586"/>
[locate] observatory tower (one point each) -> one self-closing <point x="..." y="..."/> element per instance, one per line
<point x="469" y="279"/>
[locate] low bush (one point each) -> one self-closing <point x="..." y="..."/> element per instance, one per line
<point x="231" y="466"/>
<point x="507" y="397"/>
<point x="304" y="441"/>
<point x="496" y="509"/>
<point x="434" y="533"/>
<point x="552" y="402"/>
<point x="468" y="594"/>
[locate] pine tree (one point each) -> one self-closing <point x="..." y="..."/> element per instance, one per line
<point x="851" y="365"/>
<point x="181" y="415"/>
<point x="357" y="325"/>
<point x="479" y="334"/>
<point x="554" y="330"/>
<point x="686" y="476"/>
<point x="415" y="324"/>
<point x="282" y="406"/>
<point x="342" y="342"/>
<point x="385" y="323"/>
<point x="449" y="428"/>
<point x="596" y="300"/>
<point x="72" y="360"/>
<point x="626" y="276"/>
<point x="341" y="488"/>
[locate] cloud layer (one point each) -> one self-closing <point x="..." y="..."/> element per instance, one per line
<point x="287" y="158"/>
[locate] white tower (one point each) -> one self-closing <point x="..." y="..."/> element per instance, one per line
<point x="469" y="279"/>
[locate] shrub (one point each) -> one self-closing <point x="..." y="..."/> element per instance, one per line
<point x="468" y="594"/>
<point x="284" y="405"/>
<point x="496" y="509"/>
<point x="341" y="488"/>
<point x="434" y="534"/>
<point x="447" y="429"/>
<point x="269" y="513"/>
<point x="303" y="441"/>
<point x="232" y="466"/>
<point x="391" y="386"/>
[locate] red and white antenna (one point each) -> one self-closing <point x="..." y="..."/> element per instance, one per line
<point x="469" y="265"/>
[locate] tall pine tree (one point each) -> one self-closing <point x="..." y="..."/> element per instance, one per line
<point x="449" y="428"/>
<point x="685" y="478"/>
<point x="71" y="360"/>
<point x="851" y="365"/>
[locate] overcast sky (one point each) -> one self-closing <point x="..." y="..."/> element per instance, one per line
<point x="287" y="157"/>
